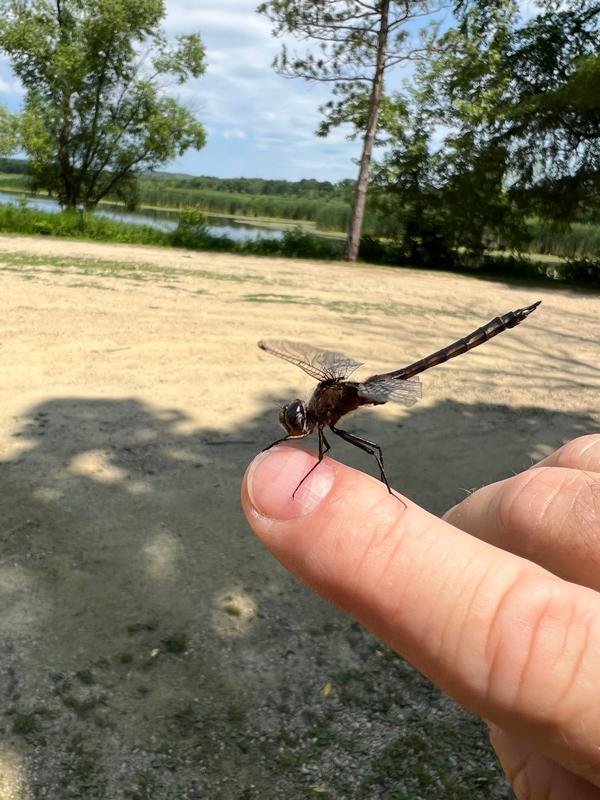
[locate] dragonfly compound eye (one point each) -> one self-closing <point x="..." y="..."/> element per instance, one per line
<point x="293" y="417"/>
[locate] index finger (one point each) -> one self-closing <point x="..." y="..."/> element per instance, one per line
<point x="507" y="639"/>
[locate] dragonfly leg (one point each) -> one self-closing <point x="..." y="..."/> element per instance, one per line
<point x="324" y="448"/>
<point x="372" y="449"/>
<point x="279" y="441"/>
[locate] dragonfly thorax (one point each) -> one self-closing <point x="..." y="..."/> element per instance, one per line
<point x="295" y="419"/>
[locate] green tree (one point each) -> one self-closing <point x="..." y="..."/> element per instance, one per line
<point x="354" y="44"/>
<point x="501" y="122"/>
<point x="96" y="114"/>
<point x="9" y="132"/>
<point x="443" y="203"/>
<point x="446" y="194"/>
<point x="531" y="87"/>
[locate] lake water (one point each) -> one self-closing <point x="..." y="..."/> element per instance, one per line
<point x="163" y="220"/>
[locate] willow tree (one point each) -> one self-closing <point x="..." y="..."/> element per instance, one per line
<point x="96" y="113"/>
<point x="352" y="44"/>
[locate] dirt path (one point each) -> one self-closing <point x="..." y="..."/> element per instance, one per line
<point x="151" y="649"/>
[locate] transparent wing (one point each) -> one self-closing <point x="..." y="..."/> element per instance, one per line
<point x="321" y="364"/>
<point x="387" y="390"/>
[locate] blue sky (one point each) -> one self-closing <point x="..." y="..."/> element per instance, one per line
<point x="259" y="124"/>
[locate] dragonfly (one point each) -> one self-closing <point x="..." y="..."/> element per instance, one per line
<point x="335" y="395"/>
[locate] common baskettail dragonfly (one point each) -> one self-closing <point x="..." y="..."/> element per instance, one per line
<point x="335" y="395"/>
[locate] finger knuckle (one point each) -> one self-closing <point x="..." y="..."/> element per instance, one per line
<point x="516" y="503"/>
<point x="539" y="622"/>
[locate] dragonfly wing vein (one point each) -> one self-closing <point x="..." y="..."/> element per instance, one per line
<point x="320" y="364"/>
<point x="406" y="393"/>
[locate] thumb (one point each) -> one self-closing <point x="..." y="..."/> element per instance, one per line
<point x="509" y="640"/>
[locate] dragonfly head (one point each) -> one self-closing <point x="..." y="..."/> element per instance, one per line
<point x="294" y="419"/>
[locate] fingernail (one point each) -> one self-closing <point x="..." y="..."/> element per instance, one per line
<point x="274" y="476"/>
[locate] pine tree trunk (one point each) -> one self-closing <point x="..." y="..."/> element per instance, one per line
<point x="362" y="185"/>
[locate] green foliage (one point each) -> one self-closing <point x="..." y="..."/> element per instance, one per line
<point x="352" y="46"/>
<point x="94" y="114"/>
<point x="25" y="724"/>
<point x="19" y="219"/>
<point x="15" y="182"/>
<point x="444" y="203"/>
<point x="307" y="188"/>
<point x="9" y="132"/>
<point x="296" y="244"/>
<point x="579" y="271"/>
<point x="519" y="104"/>
<point x="176" y="643"/>
<point x="152" y="193"/>
<point x="416" y="761"/>
<point x="345" y="36"/>
<point x="327" y="205"/>
<point x="532" y="88"/>
<point x="574" y="241"/>
<point x="191" y="230"/>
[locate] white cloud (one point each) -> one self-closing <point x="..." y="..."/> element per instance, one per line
<point x="233" y="133"/>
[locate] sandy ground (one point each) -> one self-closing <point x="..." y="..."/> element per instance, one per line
<point x="150" y="648"/>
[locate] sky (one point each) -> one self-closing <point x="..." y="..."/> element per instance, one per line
<point x="259" y="124"/>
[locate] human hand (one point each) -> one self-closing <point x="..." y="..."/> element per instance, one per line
<point x="497" y="603"/>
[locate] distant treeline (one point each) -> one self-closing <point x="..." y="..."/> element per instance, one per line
<point x="308" y="187"/>
<point x="14" y="166"/>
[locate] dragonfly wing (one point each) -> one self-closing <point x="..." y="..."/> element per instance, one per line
<point x="388" y="390"/>
<point x="321" y="364"/>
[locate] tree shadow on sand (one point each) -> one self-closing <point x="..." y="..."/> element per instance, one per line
<point x="152" y="648"/>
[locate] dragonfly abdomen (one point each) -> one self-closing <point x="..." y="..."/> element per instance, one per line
<point x="474" y="339"/>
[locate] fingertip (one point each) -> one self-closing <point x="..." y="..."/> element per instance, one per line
<point x="287" y="482"/>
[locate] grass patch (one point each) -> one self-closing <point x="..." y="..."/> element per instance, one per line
<point x="187" y="721"/>
<point x="416" y="764"/>
<point x="82" y="773"/>
<point x="105" y="268"/>
<point x="82" y="701"/>
<point x="176" y="643"/>
<point x="86" y="676"/>
<point x="277" y="298"/>
<point x="25" y="724"/>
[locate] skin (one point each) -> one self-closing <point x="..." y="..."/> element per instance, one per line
<point x="497" y="603"/>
